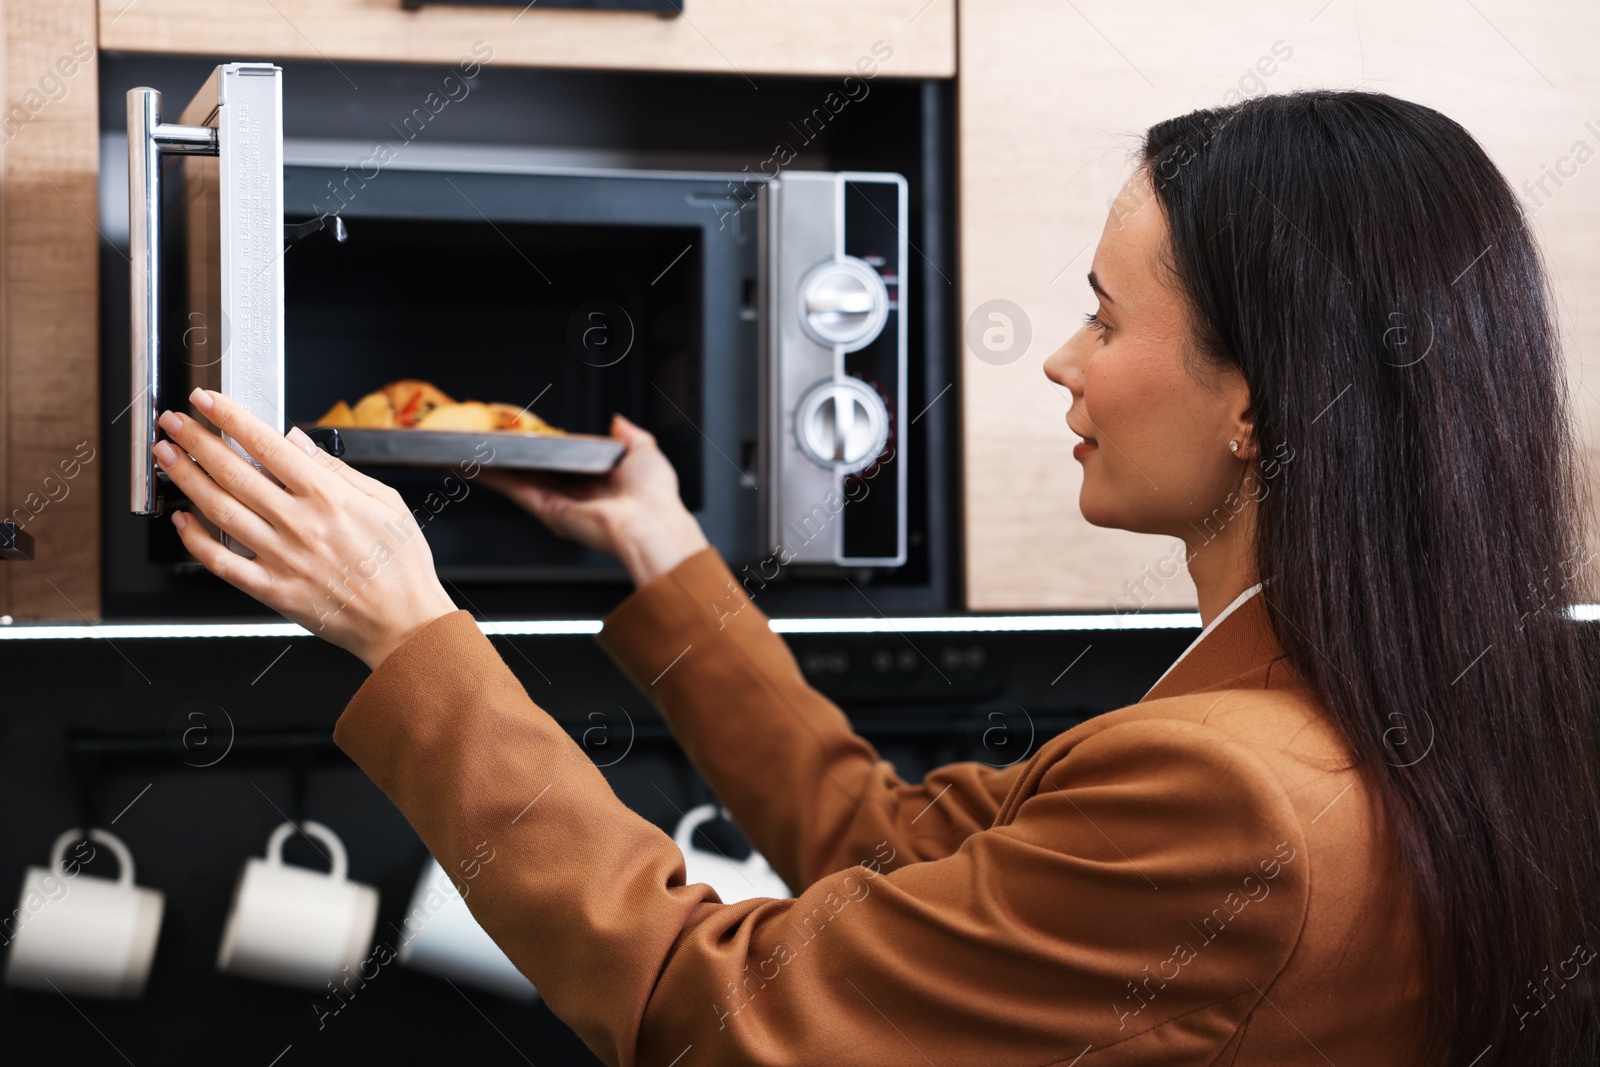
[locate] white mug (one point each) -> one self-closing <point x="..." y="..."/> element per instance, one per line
<point x="733" y="880"/>
<point x="78" y="933"/>
<point x="442" y="937"/>
<point x="294" y="925"/>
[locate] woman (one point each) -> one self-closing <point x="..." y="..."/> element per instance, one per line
<point x="1353" y="824"/>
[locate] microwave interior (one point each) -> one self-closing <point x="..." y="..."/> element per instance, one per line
<point x="574" y="320"/>
<point x="464" y="271"/>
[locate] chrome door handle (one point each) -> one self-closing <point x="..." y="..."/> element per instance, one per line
<point x="148" y="139"/>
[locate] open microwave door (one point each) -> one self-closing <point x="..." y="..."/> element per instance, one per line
<point x="229" y="146"/>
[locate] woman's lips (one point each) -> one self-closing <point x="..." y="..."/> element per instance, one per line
<point x="1085" y="447"/>
<point x="1088" y="444"/>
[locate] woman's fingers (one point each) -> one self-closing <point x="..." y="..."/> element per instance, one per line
<point x="230" y="471"/>
<point x="526" y="490"/>
<point x="630" y="432"/>
<point x="336" y="551"/>
<point x="329" y="462"/>
<point x="247" y="575"/>
<point x="536" y="496"/>
<point x="574" y="511"/>
<point x="226" y="489"/>
<point x="267" y="446"/>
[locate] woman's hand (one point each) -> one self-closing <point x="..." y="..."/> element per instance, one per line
<point x="633" y="513"/>
<point x="336" y="551"/>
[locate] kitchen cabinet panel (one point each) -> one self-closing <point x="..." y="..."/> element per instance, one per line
<point x="49" y="46"/>
<point x="49" y="209"/>
<point x="736" y="37"/>
<point x="62" y="581"/>
<point x="49" y="305"/>
<point x="1053" y="101"/>
<point x="51" y="388"/>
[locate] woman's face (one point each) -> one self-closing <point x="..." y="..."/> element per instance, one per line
<point x="1156" y="458"/>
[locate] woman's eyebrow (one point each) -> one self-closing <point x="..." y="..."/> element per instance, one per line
<point x="1094" y="283"/>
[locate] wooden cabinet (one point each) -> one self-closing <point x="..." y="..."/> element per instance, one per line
<point x="50" y="419"/>
<point x="1054" y="98"/>
<point x="732" y="36"/>
<point x="51" y="425"/>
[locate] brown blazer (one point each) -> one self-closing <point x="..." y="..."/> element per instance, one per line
<point x="1198" y="878"/>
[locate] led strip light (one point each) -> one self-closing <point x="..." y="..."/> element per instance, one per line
<point x="947" y="624"/>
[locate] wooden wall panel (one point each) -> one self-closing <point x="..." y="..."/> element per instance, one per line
<point x="49" y="299"/>
<point x="1053" y="98"/>
<point x="5" y="89"/>
<point x="719" y="36"/>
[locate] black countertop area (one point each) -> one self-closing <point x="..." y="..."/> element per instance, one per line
<point x="193" y="749"/>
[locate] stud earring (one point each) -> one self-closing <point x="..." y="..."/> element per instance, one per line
<point x="1233" y="446"/>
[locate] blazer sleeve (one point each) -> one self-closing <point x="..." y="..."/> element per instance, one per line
<point x="1126" y="898"/>
<point x="811" y="795"/>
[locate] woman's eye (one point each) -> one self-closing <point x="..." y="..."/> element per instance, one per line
<point x="1092" y="320"/>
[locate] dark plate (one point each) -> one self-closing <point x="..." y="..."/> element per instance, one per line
<point x="572" y="453"/>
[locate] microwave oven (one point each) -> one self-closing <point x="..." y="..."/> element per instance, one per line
<point x="756" y="325"/>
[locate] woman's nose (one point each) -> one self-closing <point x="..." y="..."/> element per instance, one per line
<point x="1063" y="369"/>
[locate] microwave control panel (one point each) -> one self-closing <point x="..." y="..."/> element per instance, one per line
<point x="834" y="369"/>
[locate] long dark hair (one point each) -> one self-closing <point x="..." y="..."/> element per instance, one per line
<point x="1370" y="273"/>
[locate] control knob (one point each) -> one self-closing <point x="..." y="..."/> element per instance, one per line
<point x="842" y="424"/>
<point x="844" y="303"/>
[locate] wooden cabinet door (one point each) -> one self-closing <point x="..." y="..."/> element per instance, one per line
<point x="736" y="37"/>
<point x="50" y="418"/>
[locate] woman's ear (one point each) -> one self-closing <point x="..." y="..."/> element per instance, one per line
<point x="1240" y="413"/>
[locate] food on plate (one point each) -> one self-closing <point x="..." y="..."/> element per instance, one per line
<point x="470" y="415"/>
<point x="515" y="418"/>
<point x="413" y="399"/>
<point x="373" y="410"/>
<point x="340" y="414"/>
<point x="411" y="403"/>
